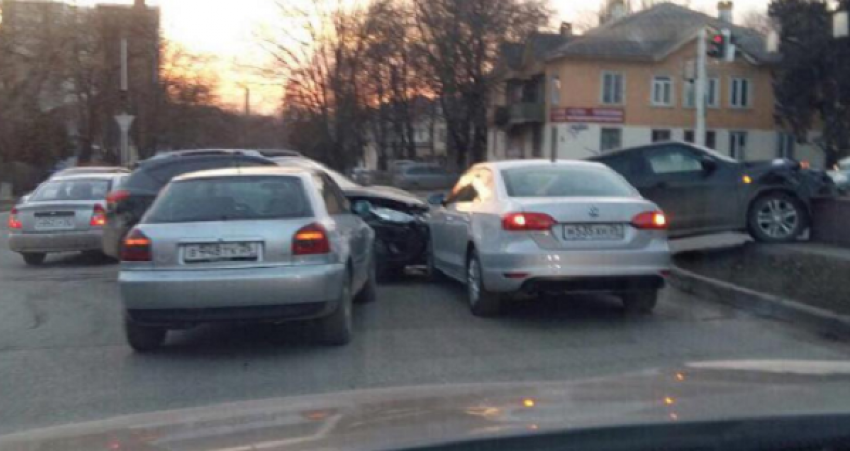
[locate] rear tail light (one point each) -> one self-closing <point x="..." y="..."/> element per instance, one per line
<point x="117" y="196"/>
<point x="650" y="220"/>
<point x="14" y="222"/>
<point x="527" y="221"/>
<point x="311" y="240"/>
<point x="136" y="248"/>
<point x="98" y="216"/>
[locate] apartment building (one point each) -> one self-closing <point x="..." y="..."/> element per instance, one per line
<point x="630" y="82"/>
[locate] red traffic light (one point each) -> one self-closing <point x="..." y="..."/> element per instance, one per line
<point x="718" y="39"/>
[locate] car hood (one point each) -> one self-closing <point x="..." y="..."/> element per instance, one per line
<point x="427" y="415"/>
<point x="387" y="192"/>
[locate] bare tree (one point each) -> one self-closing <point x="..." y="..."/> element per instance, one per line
<point x="460" y="39"/>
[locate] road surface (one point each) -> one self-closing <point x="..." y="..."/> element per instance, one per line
<point x="63" y="357"/>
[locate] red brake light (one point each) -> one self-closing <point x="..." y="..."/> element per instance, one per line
<point x="117" y="196"/>
<point x="650" y="220"/>
<point x="137" y="247"/>
<point x="311" y="240"/>
<point x="14" y="223"/>
<point x="98" y="216"/>
<point x="527" y="221"/>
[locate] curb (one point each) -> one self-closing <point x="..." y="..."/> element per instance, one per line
<point x="761" y="304"/>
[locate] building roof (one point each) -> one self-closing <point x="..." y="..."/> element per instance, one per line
<point x="654" y="33"/>
<point x="537" y="47"/>
<point x="510" y="55"/>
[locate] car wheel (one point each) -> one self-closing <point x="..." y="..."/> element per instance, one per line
<point x="34" y="258"/>
<point x="143" y="338"/>
<point x="336" y="329"/>
<point x="641" y="302"/>
<point x="369" y="292"/>
<point x="776" y="218"/>
<point x="482" y="303"/>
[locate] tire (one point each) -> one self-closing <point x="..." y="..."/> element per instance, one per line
<point x="34" y="258"/>
<point x="142" y="338"/>
<point x="640" y="303"/>
<point x="776" y="218"/>
<point x="336" y="329"/>
<point x="482" y="303"/>
<point x="369" y="292"/>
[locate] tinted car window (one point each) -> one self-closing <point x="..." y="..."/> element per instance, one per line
<point x="230" y="198"/>
<point x="673" y="160"/>
<point x="155" y="177"/>
<point x="71" y="190"/>
<point x="563" y="181"/>
<point x="622" y="164"/>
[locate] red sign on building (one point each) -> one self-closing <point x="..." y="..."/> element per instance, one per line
<point x="599" y="115"/>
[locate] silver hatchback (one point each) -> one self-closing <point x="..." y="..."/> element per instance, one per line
<point x="65" y="214"/>
<point x="537" y="226"/>
<point x="246" y="245"/>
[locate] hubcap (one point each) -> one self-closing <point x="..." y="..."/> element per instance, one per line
<point x="778" y="218"/>
<point x="472" y="282"/>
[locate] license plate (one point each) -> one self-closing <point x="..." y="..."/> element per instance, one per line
<point x="220" y="251"/>
<point x="594" y="232"/>
<point x="58" y="223"/>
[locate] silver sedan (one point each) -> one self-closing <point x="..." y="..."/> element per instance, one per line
<point x="246" y="245"/>
<point x="535" y="226"/>
<point x="64" y="214"/>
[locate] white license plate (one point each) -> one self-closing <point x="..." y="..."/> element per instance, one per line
<point x="55" y="223"/>
<point x="594" y="232"/>
<point x="219" y="251"/>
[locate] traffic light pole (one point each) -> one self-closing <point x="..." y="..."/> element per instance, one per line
<point x="699" y="91"/>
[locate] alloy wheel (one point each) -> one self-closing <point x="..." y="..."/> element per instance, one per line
<point x="778" y="218"/>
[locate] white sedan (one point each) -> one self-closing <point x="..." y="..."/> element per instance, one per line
<point x="536" y="226"/>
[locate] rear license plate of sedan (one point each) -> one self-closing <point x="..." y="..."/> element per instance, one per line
<point x="54" y="223"/>
<point x="594" y="232"/>
<point x="220" y="252"/>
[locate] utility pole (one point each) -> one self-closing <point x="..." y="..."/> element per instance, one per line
<point x="699" y="91"/>
<point x="124" y="119"/>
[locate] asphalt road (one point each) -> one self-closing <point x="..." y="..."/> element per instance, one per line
<point x="63" y="358"/>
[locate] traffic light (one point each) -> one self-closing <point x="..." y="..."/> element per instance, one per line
<point x="717" y="46"/>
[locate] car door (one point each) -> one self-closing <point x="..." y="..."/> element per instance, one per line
<point x="676" y="178"/>
<point x="458" y="220"/>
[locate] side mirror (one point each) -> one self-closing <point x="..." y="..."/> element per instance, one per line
<point x="362" y="208"/>
<point x="437" y="199"/>
<point x="708" y="165"/>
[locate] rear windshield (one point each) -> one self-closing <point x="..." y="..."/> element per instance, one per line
<point x="229" y="199"/>
<point x="71" y="190"/>
<point x="562" y="181"/>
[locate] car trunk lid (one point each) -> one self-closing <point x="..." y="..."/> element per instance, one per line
<point x="223" y="244"/>
<point x="586" y="223"/>
<point x="57" y="216"/>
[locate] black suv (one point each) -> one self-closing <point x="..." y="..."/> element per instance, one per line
<point x="126" y="206"/>
<point x="702" y="191"/>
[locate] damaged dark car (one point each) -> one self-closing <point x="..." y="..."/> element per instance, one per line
<point x="398" y="218"/>
<point x="702" y="191"/>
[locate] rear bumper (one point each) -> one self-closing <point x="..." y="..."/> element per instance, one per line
<point x="251" y="294"/>
<point x="56" y="242"/>
<point x="618" y="284"/>
<point x="585" y="270"/>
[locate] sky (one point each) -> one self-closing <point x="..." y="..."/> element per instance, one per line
<point x="228" y="29"/>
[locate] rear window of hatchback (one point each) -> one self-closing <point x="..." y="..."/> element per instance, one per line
<point x="231" y="199"/>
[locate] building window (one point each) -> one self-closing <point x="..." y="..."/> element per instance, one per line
<point x="785" y="145"/>
<point x="712" y="87"/>
<point x="738" y="145"/>
<point x="660" y="135"/>
<point x="611" y="138"/>
<point x="556" y="90"/>
<point x="662" y="91"/>
<point x="441" y="133"/>
<point x="612" y="88"/>
<point x="710" y="138"/>
<point x="740" y="93"/>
